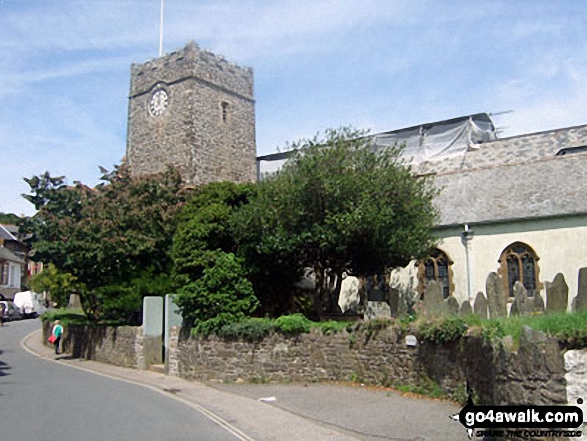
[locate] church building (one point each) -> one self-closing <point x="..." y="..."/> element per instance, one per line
<point x="515" y="206"/>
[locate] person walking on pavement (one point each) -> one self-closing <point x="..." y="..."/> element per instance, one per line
<point x="2" y="309"/>
<point x="57" y="332"/>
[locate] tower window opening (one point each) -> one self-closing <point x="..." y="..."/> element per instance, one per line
<point x="224" y="105"/>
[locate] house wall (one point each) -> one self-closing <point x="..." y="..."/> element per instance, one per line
<point x="558" y="243"/>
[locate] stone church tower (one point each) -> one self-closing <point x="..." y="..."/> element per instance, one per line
<point x="196" y="111"/>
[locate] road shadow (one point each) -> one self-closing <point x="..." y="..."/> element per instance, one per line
<point x="4" y="368"/>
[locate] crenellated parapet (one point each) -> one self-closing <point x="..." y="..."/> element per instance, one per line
<point x="191" y="62"/>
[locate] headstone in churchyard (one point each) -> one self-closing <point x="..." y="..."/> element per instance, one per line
<point x="537" y="303"/>
<point x="452" y="306"/>
<point x="480" y="306"/>
<point x="581" y="299"/>
<point x="514" y="309"/>
<point x="466" y="308"/>
<point x="74" y="302"/>
<point x="377" y="310"/>
<point x="375" y="288"/>
<point x="557" y="295"/>
<point x="394" y="301"/>
<point x="521" y="300"/>
<point x="433" y="303"/>
<point x="496" y="296"/>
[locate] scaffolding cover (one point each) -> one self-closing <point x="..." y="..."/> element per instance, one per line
<point x="440" y="140"/>
<point x="426" y="142"/>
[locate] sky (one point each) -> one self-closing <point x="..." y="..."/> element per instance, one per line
<point x="374" y="64"/>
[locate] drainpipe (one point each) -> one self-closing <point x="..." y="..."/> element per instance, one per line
<point x="466" y="237"/>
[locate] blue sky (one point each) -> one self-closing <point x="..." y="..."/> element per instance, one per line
<point x="374" y="64"/>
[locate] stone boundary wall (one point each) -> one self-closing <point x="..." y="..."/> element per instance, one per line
<point x="532" y="374"/>
<point x="535" y="373"/>
<point x="120" y="346"/>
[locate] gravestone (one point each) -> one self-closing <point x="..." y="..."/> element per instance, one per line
<point x="394" y="298"/>
<point x="452" y="306"/>
<point x="557" y="295"/>
<point x="538" y="304"/>
<point x="466" y="308"/>
<point x="580" y="302"/>
<point x="74" y="302"/>
<point x="375" y="288"/>
<point x="433" y="303"/>
<point x="480" y="307"/>
<point x="521" y="305"/>
<point x="496" y="296"/>
<point x="377" y="310"/>
<point x="349" y="299"/>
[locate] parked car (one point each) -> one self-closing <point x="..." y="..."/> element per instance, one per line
<point x="11" y="311"/>
<point x="30" y="303"/>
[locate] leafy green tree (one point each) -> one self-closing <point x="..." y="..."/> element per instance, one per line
<point x="210" y="281"/>
<point x="106" y="236"/>
<point x="339" y="204"/>
<point x="9" y="219"/>
<point x="220" y="296"/>
<point x="57" y="283"/>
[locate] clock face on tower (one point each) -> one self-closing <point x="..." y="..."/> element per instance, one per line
<point x="158" y="103"/>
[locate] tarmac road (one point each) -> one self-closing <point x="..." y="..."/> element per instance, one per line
<point x="43" y="400"/>
<point x="155" y="406"/>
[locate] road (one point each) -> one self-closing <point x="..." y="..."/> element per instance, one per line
<point x="43" y="400"/>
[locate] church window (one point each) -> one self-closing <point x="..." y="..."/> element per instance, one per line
<point x="437" y="266"/>
<point x="519" y="262"/>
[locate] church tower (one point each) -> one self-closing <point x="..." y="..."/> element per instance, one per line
<point x="196" y="111"/>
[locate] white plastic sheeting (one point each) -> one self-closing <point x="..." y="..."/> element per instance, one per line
<point x="426" y="142"/>
<point x="440" y="140"/>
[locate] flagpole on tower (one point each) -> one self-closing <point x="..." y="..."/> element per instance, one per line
<point x="161" y="31"/>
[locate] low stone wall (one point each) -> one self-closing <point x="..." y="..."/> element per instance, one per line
<point x="312" y="357"/>
<point x="534" y="374"/>
<point x="107" y="344"/>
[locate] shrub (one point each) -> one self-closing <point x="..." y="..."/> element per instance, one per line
<point x="220" y="297"/>
<point x="251" y="330"/>
<point x="443" y="330"/>
<point x="294" y="324"/>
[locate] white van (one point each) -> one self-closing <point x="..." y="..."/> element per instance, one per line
<point x="30" y="303"/>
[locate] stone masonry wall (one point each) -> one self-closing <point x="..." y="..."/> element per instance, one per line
<point x="193" y="133"/>
<point x="313" y="356"/>
<point x="113" y="345"/>
<point x="534" y="374"/>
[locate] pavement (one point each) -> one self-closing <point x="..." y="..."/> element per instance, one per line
<point x="294" y="411"/>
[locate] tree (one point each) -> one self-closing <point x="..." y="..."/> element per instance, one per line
<point x="10" y="219"/>
<point x="58" y="284"/>
<point x="212" y="288"/>
<point x="339" y="204"/>
<point x="109" y="237"/>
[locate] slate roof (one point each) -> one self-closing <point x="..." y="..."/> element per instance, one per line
<point x="6" y="234"/>
<point x="6" y="254"/>
<point x="515" y="178"/>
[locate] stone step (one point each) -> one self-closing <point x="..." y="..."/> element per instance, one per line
<point x="159" y="368"/>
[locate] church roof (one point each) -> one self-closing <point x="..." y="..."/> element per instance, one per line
<point x="530" y="176"/>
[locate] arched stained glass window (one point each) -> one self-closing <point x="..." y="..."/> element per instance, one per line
<point x="436" y="267"/>
<point x="520" y="263"/>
